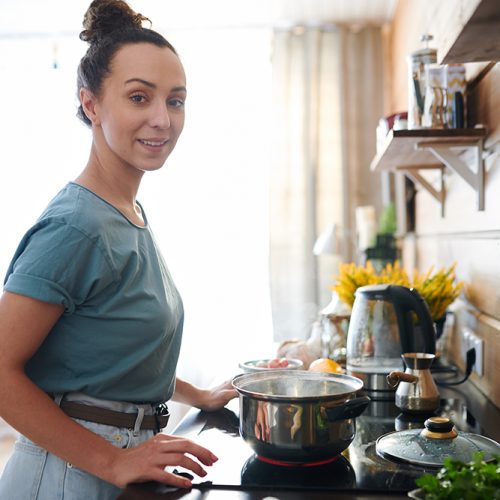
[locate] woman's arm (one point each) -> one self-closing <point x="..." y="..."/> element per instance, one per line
<point x="204" y="399"/>
<point x="24" y="324"/>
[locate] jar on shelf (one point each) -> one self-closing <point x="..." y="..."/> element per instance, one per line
<point x="436" y="98"/>
<point x="417" y="82"/>
<point x="456" y="96"/>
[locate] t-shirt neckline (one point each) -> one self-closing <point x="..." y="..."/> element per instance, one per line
<point x="114" y="208"/>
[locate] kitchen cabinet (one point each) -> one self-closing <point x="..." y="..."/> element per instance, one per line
<point x="413" y="151"/>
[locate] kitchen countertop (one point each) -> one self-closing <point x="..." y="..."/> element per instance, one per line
<point x="374" y="477"/>
<point x="153" y="492"/>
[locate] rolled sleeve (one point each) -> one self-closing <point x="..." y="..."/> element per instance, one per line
<point x="59" y="264"/>
<point x="40" y="289"/>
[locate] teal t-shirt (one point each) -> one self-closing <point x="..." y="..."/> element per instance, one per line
<point x="120" y="334"/>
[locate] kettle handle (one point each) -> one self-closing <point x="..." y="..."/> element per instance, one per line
<point x="406" y="301"/>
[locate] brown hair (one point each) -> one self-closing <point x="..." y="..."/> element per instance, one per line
<point x="108" y="25"/>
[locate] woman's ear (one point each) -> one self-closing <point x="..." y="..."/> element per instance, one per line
<point x="89" y="102"/>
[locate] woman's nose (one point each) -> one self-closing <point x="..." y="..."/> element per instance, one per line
<point x="160" y="117"/>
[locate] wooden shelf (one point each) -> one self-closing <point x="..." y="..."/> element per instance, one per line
<point x="411" y="151"/>
<point x="476" y="38"/>
<point x="401" y="147"/>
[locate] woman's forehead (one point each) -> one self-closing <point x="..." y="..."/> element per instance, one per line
<point x="149" y="62"/>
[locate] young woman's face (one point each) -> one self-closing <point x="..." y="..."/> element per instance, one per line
<point x="139" y="114"/>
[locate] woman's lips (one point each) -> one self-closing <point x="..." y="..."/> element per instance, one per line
<point x="153" y="145"/>
<point x="158" y="143"/>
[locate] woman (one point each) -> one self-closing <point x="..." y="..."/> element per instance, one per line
<point x="90" y="321"/>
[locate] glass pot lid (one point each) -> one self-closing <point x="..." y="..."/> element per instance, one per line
<point x="429" y="447"/>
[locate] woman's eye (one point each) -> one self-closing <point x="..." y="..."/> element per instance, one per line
<point x="138" y="98"/>
<point x="176" y="102"/>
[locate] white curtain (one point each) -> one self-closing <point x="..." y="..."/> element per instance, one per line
<point x="327" y="99"/>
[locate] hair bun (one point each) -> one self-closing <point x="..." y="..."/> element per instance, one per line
<point x="104" y="16"/>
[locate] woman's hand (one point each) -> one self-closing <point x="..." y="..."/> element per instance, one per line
<point x="204" y="399"/>
<point x="147" y="461"/>
<point x="217" y="397"/>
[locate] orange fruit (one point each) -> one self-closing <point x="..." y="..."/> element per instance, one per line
<point x="325" y="365"/>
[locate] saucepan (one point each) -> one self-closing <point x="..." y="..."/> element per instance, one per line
<point x="298" y="416"/>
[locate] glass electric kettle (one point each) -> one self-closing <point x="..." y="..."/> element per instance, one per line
<point x="386" y="322"/>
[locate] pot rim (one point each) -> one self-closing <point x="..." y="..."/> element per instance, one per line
<point x="239" y="382"/>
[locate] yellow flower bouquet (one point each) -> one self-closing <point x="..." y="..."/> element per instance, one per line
<point x="439" y="289"/>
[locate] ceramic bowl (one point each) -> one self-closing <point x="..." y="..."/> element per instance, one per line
<point x="251" y="366"/>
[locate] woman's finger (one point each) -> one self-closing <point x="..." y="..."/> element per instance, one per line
<point x="183" y="445"/>
<point x="165" y="477"/>
<point x="184" y="461"/>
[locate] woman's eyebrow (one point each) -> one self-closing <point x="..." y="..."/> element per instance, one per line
<point x="179" y="88"/>
<point x="140" y="80"/>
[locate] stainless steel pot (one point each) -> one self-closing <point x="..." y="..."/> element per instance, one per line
<point x="298" y="416"/>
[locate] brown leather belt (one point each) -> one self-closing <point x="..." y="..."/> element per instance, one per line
<point x="112" y="417"/>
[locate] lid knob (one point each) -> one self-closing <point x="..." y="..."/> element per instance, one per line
<point x="439" y="428"/>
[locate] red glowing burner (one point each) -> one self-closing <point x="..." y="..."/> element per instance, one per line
<point x="282" y="463"/>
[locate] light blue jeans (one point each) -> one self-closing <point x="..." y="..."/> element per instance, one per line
<point x="32" y="473"/>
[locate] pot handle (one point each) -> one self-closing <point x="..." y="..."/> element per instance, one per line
<point x="350" y="409"/>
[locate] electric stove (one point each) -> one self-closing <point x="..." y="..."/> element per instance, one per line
<point x="357" y="469"/>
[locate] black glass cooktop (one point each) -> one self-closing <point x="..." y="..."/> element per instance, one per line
<point x="359" y="467"/>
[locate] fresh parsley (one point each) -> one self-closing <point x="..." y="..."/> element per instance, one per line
<point x="457" y="480"/>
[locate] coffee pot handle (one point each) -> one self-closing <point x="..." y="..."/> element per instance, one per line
<point x="395" y="377"/>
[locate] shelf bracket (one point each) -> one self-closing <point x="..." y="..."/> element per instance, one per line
<point x="475" y="176"/>
<point x="412" y="172"/>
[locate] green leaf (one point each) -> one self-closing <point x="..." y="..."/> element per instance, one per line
<point x="475" y="480"/>
<point x="428" y="482"/>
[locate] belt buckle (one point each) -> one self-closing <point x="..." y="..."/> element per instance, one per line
<point x="162" y="410"/>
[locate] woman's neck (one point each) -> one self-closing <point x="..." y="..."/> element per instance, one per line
<point x="118" y="187"/>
